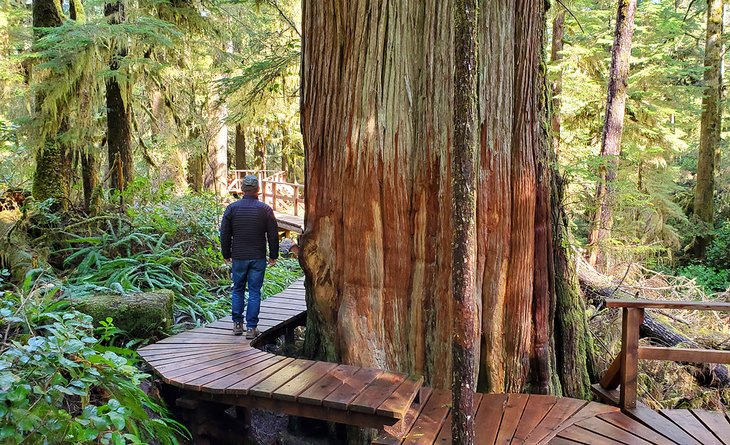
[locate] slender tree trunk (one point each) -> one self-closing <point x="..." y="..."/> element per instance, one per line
<point x="119" y="133"/>
<point x="240" y="148"/>
<point x="260" y="150"/>
<point x="196" y="163"/>
<point x="463" y="270"/>
<point x="611" y="138"/>
<point x="52" y="178"/>
<point x="90" y="178"/>
<point x="216" y="167"/>
<point x="381" y="186"/>
<point x="556" y="57"/>
<point x="710" y="127"/>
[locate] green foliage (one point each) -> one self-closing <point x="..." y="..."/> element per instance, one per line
<point x="718" y="254"/>
<point x="710" y="278"/>
<point x="56" y="386"/>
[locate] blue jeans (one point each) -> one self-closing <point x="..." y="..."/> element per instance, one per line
<point x="243" y="271"/>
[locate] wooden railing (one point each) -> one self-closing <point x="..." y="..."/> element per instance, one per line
<point x="282" y="196"/>
<point x="624" y="369"/>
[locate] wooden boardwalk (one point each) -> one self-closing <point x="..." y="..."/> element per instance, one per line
<point x="211" y="364"/>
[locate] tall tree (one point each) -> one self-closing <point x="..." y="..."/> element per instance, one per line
<point x="710" y="127"/>
<point x="52" y="178"/>
<point x="463" y="270"/>
<point x="613" y="126"/>
<point x="119" y="132"/>
<point x="240" y="147"/>
<point x="381" y="186"/>
<point x="556" y="54"/>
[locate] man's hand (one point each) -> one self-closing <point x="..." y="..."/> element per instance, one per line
<point x="272" y="262"/>
<point x="228" y="260"/>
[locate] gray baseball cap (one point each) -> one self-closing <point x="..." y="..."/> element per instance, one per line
<point x="250" y="183"/>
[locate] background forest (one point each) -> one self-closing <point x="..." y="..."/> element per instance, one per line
<point x="120" y="123"/>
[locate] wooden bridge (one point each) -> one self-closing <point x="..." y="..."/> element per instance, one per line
<point x="284" y="197"/>
<point x="210" y="364"/>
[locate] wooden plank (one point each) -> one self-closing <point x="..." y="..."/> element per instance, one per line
<point x="632" y="319"/>
<point x="341" y="397"/>
<point x="612" y="378"/>
<point x="376" y="392"/>
<point x="692" y="425"/>
<point x="157" y="349"/>
<point x="684" y="355"/>
<point x="254" y="366"/>
<point x="429" y="422"/>
<point x="536" y="409"/>
<point x="444" y="437"/>
<point x="159" y="354"/>
<point x="242" y="387"/>
<point x="160" y="360"/>
<point x="562" y="441"/>
<point x="628" y="424"/>
<point x="563" y="410"/>
<point x="195" y="360"/>
<point x="511" y="418"/>
<point x="297" y="385"/>
<point x="489" y="416"/>
<point x="284" y="304"/>
<point x="606" y="429"/>
<point x="207" y="367"/>
<point x="197" y="380"/>
<point x="580" y="435"/>
<point x="200" y="339"/>
<point x="316" y="393"/>
<point x="401" y="399"/>
<point x="233" y="374"/>
<point x="392" y="435"/>
<point x="665" y="304"/>
<point x="661" y="425"/>
<point x="266" y="387"/>
<point x="715" y="422"/>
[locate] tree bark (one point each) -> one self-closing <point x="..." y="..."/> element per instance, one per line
<point x="90" y="179"/>
<point x="613" y="126"/>
<point x="216" y="168"/>
<point x="377" y="123"/>
<point x="463" y="220"/>
<point x="556" y="57"/>
<point x="119" y="135"/>
<point x="240" y="148"/>
<point x="52" y="178"/>
<point x="710" y="128"/>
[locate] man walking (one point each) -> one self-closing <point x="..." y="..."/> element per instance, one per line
<point x="246" y="226"/>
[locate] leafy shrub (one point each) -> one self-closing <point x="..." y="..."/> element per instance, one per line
<point x="56" y="386"/>
<point x="710" y="278"/>
<point x="718" y="254"/>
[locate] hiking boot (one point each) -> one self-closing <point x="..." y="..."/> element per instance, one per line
<point x="251" y="333"/>
<point x="237" y="328"/>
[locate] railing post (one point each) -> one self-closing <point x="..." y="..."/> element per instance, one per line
<point x="273" y="192"/>
<point x="630" y="324"/>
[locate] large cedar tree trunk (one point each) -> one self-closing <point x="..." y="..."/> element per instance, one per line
<point x="710" y="127"/>
<point x="52" y="178"/>
<point x="119" y="135"/>
<point x="377" y="110"/>
<point x="613" y="126"/>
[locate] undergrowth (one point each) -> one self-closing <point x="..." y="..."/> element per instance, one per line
<point x="59" y="384"/>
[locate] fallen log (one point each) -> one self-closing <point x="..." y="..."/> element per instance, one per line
<point x="597" y="287"/>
